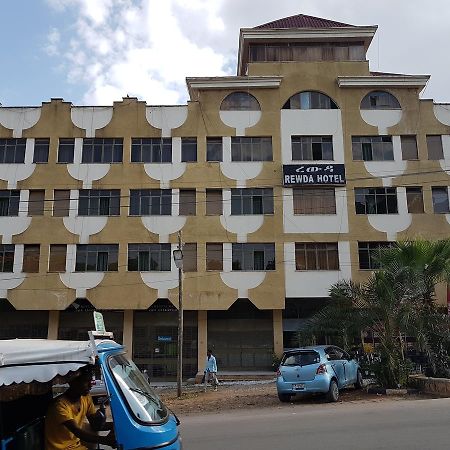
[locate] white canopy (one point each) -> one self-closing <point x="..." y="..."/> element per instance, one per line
<point x="27" y="360"/>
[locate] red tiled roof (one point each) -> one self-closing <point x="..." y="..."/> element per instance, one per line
<point x="302" y="21"/>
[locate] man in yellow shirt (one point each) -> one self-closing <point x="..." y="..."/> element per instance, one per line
<point x="67" y="414"/>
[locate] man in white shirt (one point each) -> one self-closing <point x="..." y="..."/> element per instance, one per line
<point x="211" y="370"/>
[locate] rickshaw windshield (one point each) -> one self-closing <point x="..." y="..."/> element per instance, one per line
<point x="143" y="402"/>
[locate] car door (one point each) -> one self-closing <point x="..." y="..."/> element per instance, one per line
<point x="334" y="356"/>
<point x="351" y="368"/>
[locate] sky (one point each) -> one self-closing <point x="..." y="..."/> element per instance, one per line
<point x="94" y="52"/>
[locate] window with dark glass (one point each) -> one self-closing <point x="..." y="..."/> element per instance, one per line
<point x="6" y="257"/>
<point x="214" y="206"/>
<point x="251" y="149"/>
<point x="251" y="201"/>
<point x="214" y="149"/>
<point x="369" y="254"/>
<point x="188" y="202"/>
<point x="310" y="100"/>
<point x="31" y="254"/>
<point x="314" y="201"/>
<point x="61" y="202"/>
<point x="240" y="101"/>
<point x="9" y="202"/>
<point x="214" y="256"/>
<point x="380" y="100"/>
<point x="435" y="149"/>
<point x="252" y="256"/>
<point x="414" y="199"/>
<point x="149" y="257"/>
<point x="372" y="148"/>
<point x="41" y="147"/>
<point x="66" y="149"/>
<point x="188" y="149"/>
<point x="409" y="147"/>
<point x="190" y="257"/>
<point x="12" y="151"/>
<point x="150" y="202"/>
<point x="97" y="258"/>
<point x="57" y="258"/>
<point x="151" y="150"/>
<point x="379" y="200"/>
<point x="102" y="150"/>
<point x="316" y="256"/>
<point x="440" y="199"/>
<point x="36" y="203"/>
<point x="307" y="148"/>
<point x="99" y="202"/>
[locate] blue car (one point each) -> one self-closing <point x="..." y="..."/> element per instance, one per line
<point x="317" y="369"/>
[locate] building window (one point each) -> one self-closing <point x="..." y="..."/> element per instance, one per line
<point x="99" y="202"/>
<point x="214" y="205"/>
<point x="61" y="202"/>
<point x="97" y="258"/>
<point x="240" y="101"/>
<point x="307" y="148"/>
<point x="316" y="256"/>
<point x="313" y="201"/>
<point x="102" y="150"/>
<point x="380" y="100"/>
<point x="214" y="256"/>
<point x="409" y="147"/>
<point x="57" y="258"/>
<point x="6" y="258"/>
<point x="369" y="254"/>
<point x="190" y="257"/>
<point x="41" y="147"/>
<point x="250" y="257"/>
<point x="376" y="200"/>
<point x="36" y="203"/>
<point x="440" y="200"/>
<point x="214" y="149"/>
<point x="251" y="201"/>
<point x="150" y="202"/>
<point x="310" y="100"/>
<point x="12" y="151"/>
<point x="372" y="148"/>
<point x="66" y="149"/>
<point x="149" y="257"/>
<point x="9" y="203"/>
<point x="188" y="202"/>
<point x="31" y="253"/>
<point x="251" y="149"/>
<point x="188" y="149"/>
<point x="414" y="199"/>
<point x="151" y="150"/>
<point x="435" y="149"/>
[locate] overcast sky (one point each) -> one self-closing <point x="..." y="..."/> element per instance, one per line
<point x="97" y="51"/>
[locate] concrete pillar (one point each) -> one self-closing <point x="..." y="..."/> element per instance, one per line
<point x="128" y="315"/>
<point x="202" y="339"/>
<point x="278" y="332"/>
<point x="53" y="324"/>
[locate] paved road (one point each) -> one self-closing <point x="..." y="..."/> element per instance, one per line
<point x="390" y="425"/>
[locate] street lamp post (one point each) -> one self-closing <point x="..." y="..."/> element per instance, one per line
<point x="178" y="259"/>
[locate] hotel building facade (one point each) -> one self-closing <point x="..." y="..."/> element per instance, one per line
<point x="282" y="180"/>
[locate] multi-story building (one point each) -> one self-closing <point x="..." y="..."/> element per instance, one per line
<point x="283" y="180"/>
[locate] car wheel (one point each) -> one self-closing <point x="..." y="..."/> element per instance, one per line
<point x="333" y="392"/>
<point x="284" y="397"/>
<point x="359" y="380"/>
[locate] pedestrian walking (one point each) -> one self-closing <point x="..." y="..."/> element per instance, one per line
<point x="211" y="370"/>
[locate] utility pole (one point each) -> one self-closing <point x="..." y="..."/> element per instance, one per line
<point x="178" y="258"/>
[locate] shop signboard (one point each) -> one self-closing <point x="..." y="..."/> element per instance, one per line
<point x="313" y="175"/>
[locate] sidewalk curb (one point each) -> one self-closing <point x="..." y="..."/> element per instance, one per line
<point x="384" y="391"/>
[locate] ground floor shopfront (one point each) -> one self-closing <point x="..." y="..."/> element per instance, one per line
<point x="243" y="338"/>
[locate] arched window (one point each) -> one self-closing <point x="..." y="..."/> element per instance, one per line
<point x="380" y="100"/>
<point x="310" y="100"/>
<point x="240" y="101"/>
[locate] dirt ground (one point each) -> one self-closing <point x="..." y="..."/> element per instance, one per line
<point x="248" y="396"/>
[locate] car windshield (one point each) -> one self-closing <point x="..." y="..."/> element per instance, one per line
<point x="300" y="358"/>
<point x="142" y="400"/>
